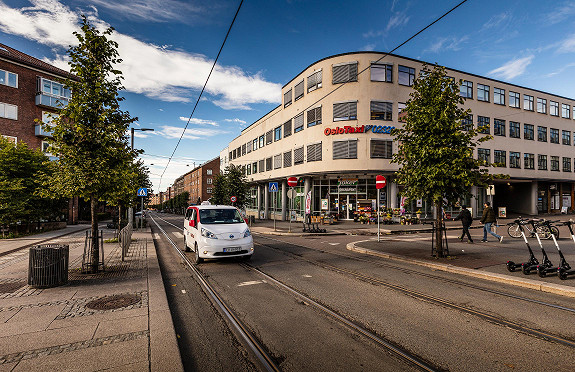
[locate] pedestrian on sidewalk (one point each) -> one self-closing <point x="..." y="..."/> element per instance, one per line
<point x="488" y="218"/>
<point x="466" y="219"/>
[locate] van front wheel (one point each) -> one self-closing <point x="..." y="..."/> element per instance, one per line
<point x="197" y="258"/>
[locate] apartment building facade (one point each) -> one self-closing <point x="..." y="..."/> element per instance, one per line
<point x="337" y="143"/>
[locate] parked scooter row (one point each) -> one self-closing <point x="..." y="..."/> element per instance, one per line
<point x="546" y="266"/>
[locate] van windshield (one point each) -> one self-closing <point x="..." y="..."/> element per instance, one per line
<point x="213" y="216"/>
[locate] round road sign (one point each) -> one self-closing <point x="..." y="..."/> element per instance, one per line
<point x="292" y="181"/>
<point x="380" y="182"/>
<point x="233" y="199"/>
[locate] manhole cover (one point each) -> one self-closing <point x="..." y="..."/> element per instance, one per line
<point x="11" y="287"/>
<point x="113" y="302"/>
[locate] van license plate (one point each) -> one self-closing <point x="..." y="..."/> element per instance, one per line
<point x="232" y="249"/>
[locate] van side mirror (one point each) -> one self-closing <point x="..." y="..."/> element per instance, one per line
<point x="192" y="223"/>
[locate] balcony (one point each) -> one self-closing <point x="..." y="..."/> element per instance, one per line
<point x="43" y="131"/>
<point x="50" y="101"/>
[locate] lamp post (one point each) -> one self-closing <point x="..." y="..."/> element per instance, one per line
<point x="131" y="209"/>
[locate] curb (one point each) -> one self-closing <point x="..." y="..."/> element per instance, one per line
<point x="164" y="349"/>
<point x="494" y="277"/>
<point x="279" y="233"/>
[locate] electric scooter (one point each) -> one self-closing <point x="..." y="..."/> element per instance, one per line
<point x="526" y="268"/>
<point x="544" y="269"/>
<point x="564" y="269"/>
<point x="512" y="266"/>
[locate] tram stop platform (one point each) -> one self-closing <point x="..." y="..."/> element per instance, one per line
<point x="115" y="320"/>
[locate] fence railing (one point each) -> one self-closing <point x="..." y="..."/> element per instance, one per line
<point x="125" y="238"/>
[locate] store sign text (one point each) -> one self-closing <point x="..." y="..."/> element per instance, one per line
<point x="383" y="129"/>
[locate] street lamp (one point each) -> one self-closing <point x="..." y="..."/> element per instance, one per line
<point x="131" y="209"/>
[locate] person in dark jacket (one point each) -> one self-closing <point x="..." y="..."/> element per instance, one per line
<point x="487" y="219"/>
<point x="465" y="217"/>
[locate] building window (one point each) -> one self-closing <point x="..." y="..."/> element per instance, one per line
<point x="52" y="94"/>
<point x="209" y="181"/>
<point x="249" y="147"/>
<point x="514" y="159"/>
<point x="527" y="102"/>
<point x="381" y="111"/>
<point x="209" y="190"/>
<point x="255" y="167"/>
<point x="499" y="127"/>
<point x="484" y="155"/>
<point x="554" y="135"/>
<point x="287" y="159"/>
<point x="249" y="169"/>
<point x="499" y="96"/>
<point x="514" y="129"/>
<point x="243" y="149"/>
<point x="287" y="128"/>
<point x="8" y="111"/>
<point x="500" y="158"/>
<point x="209" y="172"/>
<point x="345" y="111"/>
<point x="467" y="123"/>
<point x="9" y="78"/>
<point x="400" y="109"/>
<point x="566" y="164"/>
<point x="255" y="144"/>
<point x="344" y="73"/>
<point x="466" y="89"/>
<point x="555" y="163"/>
<point x="262" y="141"/>
<point x="528" y="161"/>
<point x="405" y="75"/>
<point x="541" y="105"/>
<point x="566" y="137"/>
<point x="314" y="152"/>
<point x="287" y="98"/>
<point x="541" y="134"/>
<point x="483" y="92"/>
<point x="553" y="108"/>
<point x="528" y="132"/>
<point x="277" y="161"/>
<point x="298" y="123"/>
<point x="381" y="72"/>
<point x="298" y="155"/>
<point x="269" y="136"/>
<point x="234" y="154"/>
<point x="314" y="117"/>
<point x="542" y="162"/>
<point x="483" y="124"/>
<point x="345" y="149"/>
<point x="278" y="133"/>
<point x="314" y="81"/>
<point x="565" y="111"/>
<point x="514" y="99"/>
<point x="380" y="149"/>
<point x="269" y="164"/>
<point x="239" y="152"/>
<point x="298" y="90"/>
<point x="11" y="139"/>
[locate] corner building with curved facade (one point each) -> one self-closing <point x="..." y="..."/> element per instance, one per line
<point x="332" y="132"/>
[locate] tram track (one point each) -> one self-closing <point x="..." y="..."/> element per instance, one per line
<point x="388" y="345"/>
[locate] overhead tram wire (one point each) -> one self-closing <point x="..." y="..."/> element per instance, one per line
<point x="202" y="92"/>
<point x="386" y="54"/>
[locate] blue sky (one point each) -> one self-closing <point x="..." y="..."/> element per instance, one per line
<point x="168" y="47"/>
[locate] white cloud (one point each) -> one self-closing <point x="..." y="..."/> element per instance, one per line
<point x="567" y="45"/>
<point x="152" y="70"/>
<point x="235" y="120"/>
<point x="512" y="68"/>
<point x="496" y="21"/>
<point x="397" y="20"/>
<point x="447" y="43"/>
<point x="199" y="121"/>
<point x="172" y="132"/>
<point x="561" y="70"/>
<point x="150" y="10"/>
<point x="559" y="13"/>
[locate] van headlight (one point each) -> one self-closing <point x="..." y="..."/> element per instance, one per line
<point x="247" y="233"/>
<point x="208" y="234"/>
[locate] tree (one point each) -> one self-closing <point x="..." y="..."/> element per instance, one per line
<point x="435" y="151"/>
<point x="231" y="183"/>
<point x="20" y="183"/>
<point x="219" y="191"/>
<point x="89" y="136"/>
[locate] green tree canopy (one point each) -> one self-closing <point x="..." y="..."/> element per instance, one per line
<point x="435" y="151"/>
<point x="231" y="183"/>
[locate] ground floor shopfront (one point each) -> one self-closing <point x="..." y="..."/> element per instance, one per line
<point x="349" y="197"/>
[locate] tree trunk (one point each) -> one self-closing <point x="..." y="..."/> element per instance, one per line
<point x="95" y="259"/>
<point x="119" y="217"/>
<point x="439" y="230"/>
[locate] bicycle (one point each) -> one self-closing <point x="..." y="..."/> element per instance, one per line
<point x="545" y="232"/>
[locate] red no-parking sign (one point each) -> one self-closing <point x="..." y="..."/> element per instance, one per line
<point x="380" y="182"/>
<point x="292" y="181"/>
<point x="233" y="199"/>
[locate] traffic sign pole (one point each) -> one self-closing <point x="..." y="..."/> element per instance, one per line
<point x="378" y="215"/>
<point x="380" y="183"/>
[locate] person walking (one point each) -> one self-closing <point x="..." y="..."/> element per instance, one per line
<point x="487" y="218"/>
<point x="466" y="219"/>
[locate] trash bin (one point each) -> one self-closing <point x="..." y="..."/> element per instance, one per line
<point x="48" y="265"/>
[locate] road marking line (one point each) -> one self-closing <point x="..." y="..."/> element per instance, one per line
<point x="334" y="243"/>
<point x="178" y="234"/>
<point x="306" y="276"/>
<point x="183" y="291"/>
<point x="253" y="282"/>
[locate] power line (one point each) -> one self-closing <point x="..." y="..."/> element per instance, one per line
<point x="202" y="92"/>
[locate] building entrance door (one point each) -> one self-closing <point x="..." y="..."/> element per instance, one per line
<point x="351" y="206"/>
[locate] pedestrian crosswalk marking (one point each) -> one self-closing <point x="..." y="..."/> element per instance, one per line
<point x="178" y="234"/>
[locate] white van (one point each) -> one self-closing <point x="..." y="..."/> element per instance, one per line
<point x="215" y="231"/>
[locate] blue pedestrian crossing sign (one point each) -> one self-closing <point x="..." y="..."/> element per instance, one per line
<point x="273" y="187"/>
<point x="142" y="191"/>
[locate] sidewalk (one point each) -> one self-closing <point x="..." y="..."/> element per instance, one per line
<point x="116" y="320"/>
<point x="412" y="243"/>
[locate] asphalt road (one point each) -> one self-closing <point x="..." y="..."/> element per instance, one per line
<point x="453" y="323"/>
